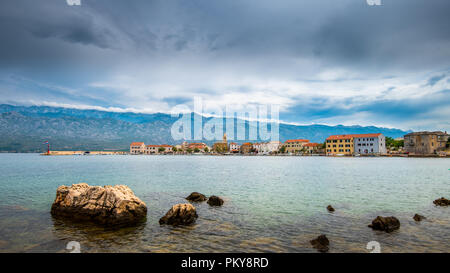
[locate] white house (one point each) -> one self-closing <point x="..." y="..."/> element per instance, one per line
<point x="369" y="144"/>
<point x="137" y="148"/>
<point x="234" y="147"/>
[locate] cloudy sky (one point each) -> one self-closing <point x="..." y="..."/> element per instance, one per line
<point x="321" y="61"/>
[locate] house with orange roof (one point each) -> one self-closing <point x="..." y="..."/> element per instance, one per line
<point x="365" y="144"/>
<point x="294" y="146"/>
<point x="234" y="147"/>
<point x="158" y="149"/>
<point x="356" y="144"/>
<point x="339" y="145"/>
<point x="313" y="148"/>
<point x="246" y="148"/>
<point x="137" y="148"/>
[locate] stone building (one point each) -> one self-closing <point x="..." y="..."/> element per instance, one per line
<point x="246" y="148"/>
<point x="221" y="147"/>
<point x="425" y="143"/>
<point x="295" y="145"/>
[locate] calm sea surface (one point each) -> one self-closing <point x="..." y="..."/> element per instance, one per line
<point x="272" y="204"/>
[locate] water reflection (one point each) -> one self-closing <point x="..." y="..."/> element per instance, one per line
<point x="96" y="238"/>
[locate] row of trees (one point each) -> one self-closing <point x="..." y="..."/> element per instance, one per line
<point x="393" y="144"/>
<point x="189" y="150"/>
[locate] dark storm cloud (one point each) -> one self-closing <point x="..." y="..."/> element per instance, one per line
<point x="183" y="43"/>
<point x="347" y="32"/>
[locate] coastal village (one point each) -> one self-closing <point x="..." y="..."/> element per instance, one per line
<point x="424" y="143"/>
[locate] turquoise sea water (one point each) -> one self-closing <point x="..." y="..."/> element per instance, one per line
<point x="272" y="204"/>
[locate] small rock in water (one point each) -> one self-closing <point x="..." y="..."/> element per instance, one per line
<point x="110" y="205"/>
<point x="330" y="208"/>
<point x="387" y="224"/>
<point x="180" y="214"/>
<point x="321" y="243"/>
<point x="215" y="201"/>
<point x="196" y="197"/>
<point x="442" y="202"/>
<point x="418" y="217"/>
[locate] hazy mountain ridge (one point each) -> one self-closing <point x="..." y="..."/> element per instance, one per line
<point x="24" y="129"/>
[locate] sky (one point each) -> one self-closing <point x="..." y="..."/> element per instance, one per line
<point x="321" y="61"/>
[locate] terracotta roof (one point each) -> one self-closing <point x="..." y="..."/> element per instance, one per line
<point x="296" y="140"/>
<point x="367" y="135"/>
<point x="334" y="137"/>
<point x="247" y="144"/>
<point x="156" y="146"/>
<point x="137" y="144"/>
<point x="311" y="144"/>
<point x="197" y="145"/>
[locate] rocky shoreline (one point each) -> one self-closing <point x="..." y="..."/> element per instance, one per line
<point x="117" y="205"/>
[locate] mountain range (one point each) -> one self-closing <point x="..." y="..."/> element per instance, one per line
<point x="25" y="128"/>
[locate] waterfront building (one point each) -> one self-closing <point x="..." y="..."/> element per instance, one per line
<point x="295" y="145"/>
<point x="272" y="146"/>
<point x="154" y="149"/>
<point x="221" y="147"/>
<point x="257" y="147"/>
<point x="425" y="143"/>
<point x="339" y="145"/>
<point x="234" y="147"/>
<point x="200" y="146"/>
<point x="246" y="148"/>
<point x="267" y="147"/>
<point x="313" y="148"/>
<point x="362" y="144"/>
<point x="369" y="144"/>
<point x="137" y="148"/>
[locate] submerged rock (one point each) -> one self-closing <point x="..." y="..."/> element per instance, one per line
<point x="110" y="205"/>
<point x="387" y="224"/>
<point x="330" y="208"/>
<point x="196" y="197"/>
<point x="215" y="201"/>
<point x="180" y="214"/>
<point x="418" y="217"/>
<point x="442" y="202"/>
<point x="321" y="243"/>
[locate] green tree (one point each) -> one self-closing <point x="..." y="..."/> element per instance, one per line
<point x="283" y="149"/>
<point x="189" y="150"/>
<point x="219" y="149"/>
<point x="174" y="149"/>
<point x="206" y="149"/>
<point x="196" y="150"/>
<point x="448" y="143"/>
<point x="393" y="144"/>
<point x="161" y="149"/>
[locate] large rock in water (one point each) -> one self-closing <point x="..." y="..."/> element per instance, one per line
<point x="442" y="202"/>
<point x="215" y="201"/>
<point x="110" y="205"/>
<point x="321" y="243"/>
<point x="387" y="224"/>
<point x="180" y="214"/>
<point x="418" y="217"/>
<point x="196" y="197"/>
